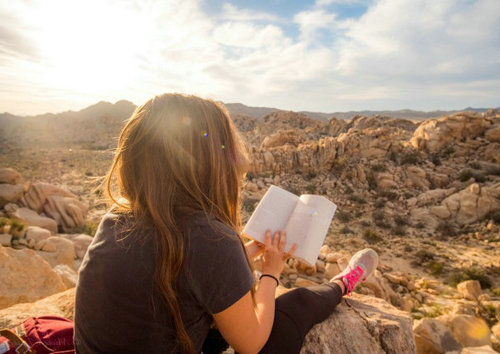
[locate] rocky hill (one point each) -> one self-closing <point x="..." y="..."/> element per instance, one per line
<point x="425" y="195"/>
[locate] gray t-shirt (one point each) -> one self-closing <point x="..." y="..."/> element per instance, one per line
<point x="119" y="308"/>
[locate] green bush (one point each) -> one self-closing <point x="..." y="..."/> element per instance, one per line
<point x="4" y="221"/>
<point x="16" y="226"/>
<point x="424" y="256"/>
<point x="379" y="168"/>
<point x="346" y="230"/>
<point x="343" y="216"/>
<point x="380" y="219"/>
<point x="410" y="158"/>
<point x="446" y="228"/>
<point x="435" y="268"/>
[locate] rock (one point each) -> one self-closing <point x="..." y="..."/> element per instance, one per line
<point x="82" y="242"/>
<point x="434" y="134"/>
<point x="362" y="324"/>
<point x="291" y="136"/>
<point x="25" y="276"/>
<point x="57" y="250"/>
<point x="35" y="234"/>
<point x="5" y="240"/>
<point x="485" y="349"/>
<point x="31" y="218"/>
<point x="331" y="269"/>
<point x="386" y="181"/>
<point x="10" y="176"/>
<point x="431" y="336"/>
<point x="67" y="274"/>
<point x="332" y="257"/>
<point x="60" y="205"/>
<point x="493" y="134"/>
<point x="423" y="217"/>
<point x="470" y="331"/>
<point x="303" y="282"/>
<point x="496" y="330"/>
<point x="380" y="286"/>
<point x="473" y="203"/>
<point x="60" y="304"/>
<point x="10" y="193"/>
<point x="416" y="178"/>
<point x="470" y="289"/>
<point x="433" y="196"/>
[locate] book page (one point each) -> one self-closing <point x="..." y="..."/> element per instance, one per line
<point x="272" y="212"/>
<point x="297" y="228"/>
<point x="321" y="214"/>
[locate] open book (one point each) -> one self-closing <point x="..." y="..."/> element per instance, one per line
<point x="305" y="220"/>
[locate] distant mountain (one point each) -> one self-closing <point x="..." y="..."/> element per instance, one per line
<point x="260" y="112"/>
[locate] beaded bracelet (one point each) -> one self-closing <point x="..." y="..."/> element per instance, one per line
<point x="270" y="276"/>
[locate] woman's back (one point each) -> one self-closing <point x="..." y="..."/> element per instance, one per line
<point x="119" y="307"/>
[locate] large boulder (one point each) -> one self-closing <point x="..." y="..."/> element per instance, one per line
<point x="471" y="204"/>
<point x="10" y="193"/>
<point x="434" y="134"/>
<point x="362" y="324"/>
<point x="468" y="330"/>
<point x="35" y="234"/>
<point x="10" y="176"/>
<point x="433" y="337"/>
<point x="57" y="250"/>
<point x="25" y="277"/>
<point x="60" y="304"/>
<point x="59" y="204"/>
<point x="470" y="289"/>
<point x="31" y="218"/>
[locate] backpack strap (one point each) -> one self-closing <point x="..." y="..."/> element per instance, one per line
<point x="21" y="347"/>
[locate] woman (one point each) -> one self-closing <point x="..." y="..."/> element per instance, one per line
<point x="168" y="263"/>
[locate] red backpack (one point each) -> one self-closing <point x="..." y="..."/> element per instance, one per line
<point x="39" y="335"/>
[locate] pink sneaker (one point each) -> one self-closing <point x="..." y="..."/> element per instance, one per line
<point x="360" y="267"/>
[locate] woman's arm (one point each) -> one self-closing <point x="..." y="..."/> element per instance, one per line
<point x="253" y="249"/>
<point x="247" y="327"/>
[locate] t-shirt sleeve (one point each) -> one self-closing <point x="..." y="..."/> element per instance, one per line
<point x="218" y="272"/>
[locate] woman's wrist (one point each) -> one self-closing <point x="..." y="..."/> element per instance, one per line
<point x="270" y="276"/>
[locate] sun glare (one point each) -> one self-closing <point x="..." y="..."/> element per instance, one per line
<point x="91" y="45"/>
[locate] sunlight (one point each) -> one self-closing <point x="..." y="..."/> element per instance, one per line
<point x="92" y="45"/>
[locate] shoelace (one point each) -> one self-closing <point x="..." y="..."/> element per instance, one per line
<point x="353" y="277"/>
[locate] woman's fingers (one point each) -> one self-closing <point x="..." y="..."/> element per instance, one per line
<point x="276" y="239"/>
<point x="267" y="238"/>
<point x="291" y="251"/>
<point x="281" y="244"/>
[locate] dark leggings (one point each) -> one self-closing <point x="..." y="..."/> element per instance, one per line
<point x="295" y="313"/>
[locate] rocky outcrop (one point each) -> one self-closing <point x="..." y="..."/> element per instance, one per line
<point x="434" y="134"/>
<point x="25" y="277"/>
<point x="10" y="193"/>
<point x="57" y="250"/>
<point x="362" y="324"/>
<point x="10" y="176"/>
<point x="431" y="336"/>
<point x="31" y="218"/>
<point x="60" y="304"/>
<point x="55" y="202"/>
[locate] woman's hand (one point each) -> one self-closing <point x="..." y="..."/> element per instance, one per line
<point x="274" y="256"/>
<point x="254" y="248"/>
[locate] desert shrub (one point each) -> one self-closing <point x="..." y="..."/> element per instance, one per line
<point x="16" y="226"/>
<point x="357" y="199"/>
<point x="399" y="230"/>
<point x="475" y="165"/>
<point x="380" y="219"/>
<point x="434" y="310"/>
<point x="467" y="174"/>
<point x="343" y="216"/>
<point x="435" y="159"/>
<point x="379" y="167"/>
<point x="311" y="189"/>
<point x="424" y="255"/>
<point x="349" y="190"/>
<point x="496" y="291"/>
<point x="400" y="220"/>
<point x="371" y="236"/>
<point x="495" y="216"/>
<point x="249" y="204"/>
<point x="346" y="230"/>
<point x="372" y="182"/>
<point x="380" y="203"/>
<point x="309" y="176"/>
<point x="89" y="174"/>
<point x="4" y="221"/>
<point x="435" y="268"/>
<point x="365" y="223"/>
<point x="471" y="273"/>
<point x="338" y="166"/>
<point x="446" y="228"/>
<point x="420" y="225"/>
<point x="410" y="158"/>
<point x="249" y="176"/>
<point x="408" y="248"/>
<point x="447" y="151"/>
<point x="390" y="195"/>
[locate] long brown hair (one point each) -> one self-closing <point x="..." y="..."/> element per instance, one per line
<point x="178" y="154"/>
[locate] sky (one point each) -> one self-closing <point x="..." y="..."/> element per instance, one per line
<point x="322" y="55"/>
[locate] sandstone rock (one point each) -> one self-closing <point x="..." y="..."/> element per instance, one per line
<point x="24" y="276"/>
<point x="416" y="178"/>
<point x="440" y="211"/>
<point x="5" y="240"/>
<point x="380" y="286"/>
<point x="81" y="243"/>
<point x="60" y="304"/>
<point x="385" y="181"/>
<point x="431" y="336"/>
<point x="57" y="250"/>
<point x="493" y="134"/>
<point x="35" y="234"/>
<point x="31" y="218"/>
<point x="485" y="349"/>
<point x="434" y="134"/>
<point x="303" y="282"/>
<point x="331" y="269"/>
<point x="362" y="324"/>
<point x="67" y="274"/>
<point x="57" y="203"/>
<point x="433" y="196"/>
<point x="10" y="193"/>
<point x="470" y="289"/>
<point x="424" y="217"/>
<point x="291" y="136"/>
<point x="10" y="176"/>
<point x="473" y="203"/>
<point x="470" y="331"/>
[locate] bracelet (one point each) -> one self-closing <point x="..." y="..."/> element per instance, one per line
<point x="270" y="276"/>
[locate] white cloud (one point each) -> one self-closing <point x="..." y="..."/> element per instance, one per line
<point x="312" y="21"/>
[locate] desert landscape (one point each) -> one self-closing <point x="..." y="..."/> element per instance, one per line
<point x="423" y="192"/>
